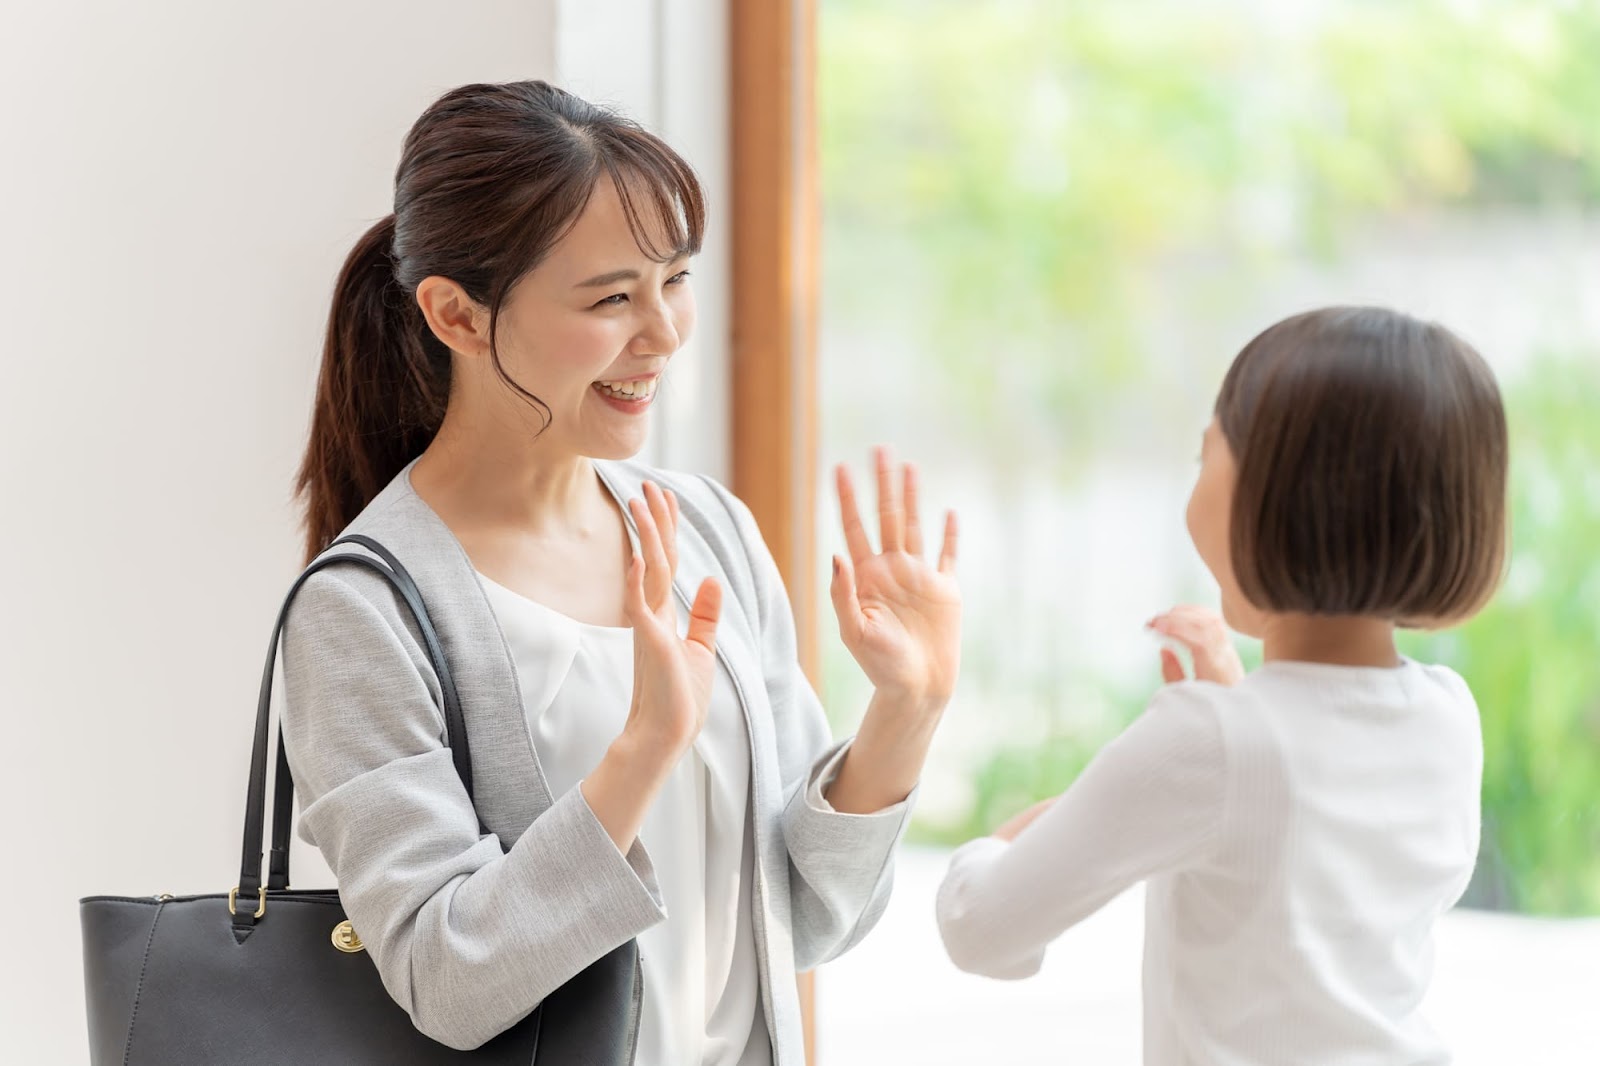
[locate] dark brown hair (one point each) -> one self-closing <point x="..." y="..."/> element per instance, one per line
<point x="1372" y="454"/>
<point x="490" y="178"/>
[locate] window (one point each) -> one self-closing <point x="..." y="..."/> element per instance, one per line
<point x="1047" y="230"/>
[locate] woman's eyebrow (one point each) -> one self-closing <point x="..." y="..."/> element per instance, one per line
<point x="612" y="278"/>
<point x="601" y="280"/>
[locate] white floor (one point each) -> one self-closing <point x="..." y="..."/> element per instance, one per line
<point x="1508" y="992"/>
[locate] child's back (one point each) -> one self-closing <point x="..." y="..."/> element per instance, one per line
<point x="1349" y="823"/>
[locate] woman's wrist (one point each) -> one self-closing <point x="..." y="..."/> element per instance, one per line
<point x="885" y="760"/>
<point x="647" y="753"/>
<point x="621" y="788"/>
<point x="912" y="711"/>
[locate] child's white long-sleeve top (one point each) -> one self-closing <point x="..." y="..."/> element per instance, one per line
<point x="1301" y="833"/>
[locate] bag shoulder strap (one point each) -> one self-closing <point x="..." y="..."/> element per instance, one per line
<point x="384" y="563"/>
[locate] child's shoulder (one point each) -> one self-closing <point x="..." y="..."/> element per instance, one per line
<point x="1193" y="709"/>
<point x="1190" y="699"/>
<point x="1210" y="730"/>
<point x="1411" y="679"/>
<point x="1445" y="679"/>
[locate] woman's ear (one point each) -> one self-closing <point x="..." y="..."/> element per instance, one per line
<point x="459" y="321"/>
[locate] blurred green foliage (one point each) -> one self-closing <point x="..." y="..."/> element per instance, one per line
<point x="1003" y="179"/>
<point x="1533" y="657"/>
<point x="1005" y="182"/>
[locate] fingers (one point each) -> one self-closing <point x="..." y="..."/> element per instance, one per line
<point x="1171" y="668"/>
<point x="704" y="614"/>
<point x="898" y="521"/>
<point x="1205" y="634"/>
<point x="1196" y="614"/>
<point x="855" y="534"/>
<point x="908" y="497"/>
<point x="891" y="529"/>
<point x="666" y="524"/>
<point x="845" y="604"/>
<point x="657" y="571"/>
<point x="1195" y="627"/>
<point x="633" y="604"/>
<point x="672" y="506"/>
<point x="947" y="553"/>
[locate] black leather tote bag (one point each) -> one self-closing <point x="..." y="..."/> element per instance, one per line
<point x="268" y="974"/>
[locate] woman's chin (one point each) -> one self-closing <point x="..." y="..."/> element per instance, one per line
<point x="616" y="446"/>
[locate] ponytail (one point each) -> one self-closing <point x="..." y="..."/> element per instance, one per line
<point x="380" y="395"/>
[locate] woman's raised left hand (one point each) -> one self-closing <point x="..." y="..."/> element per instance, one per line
<point x="899" y="613"/>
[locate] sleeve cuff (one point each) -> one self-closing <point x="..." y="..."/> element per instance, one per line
<point x="831" y="845"/>
<point x="629" y="878"/>
<point x="977" y="852"/>
<point x="965" y="917"/>
<point x="826" y="770"/>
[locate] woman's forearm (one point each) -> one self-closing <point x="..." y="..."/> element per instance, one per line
<point x="885" y="760"/>
<point x="621" y="788"/>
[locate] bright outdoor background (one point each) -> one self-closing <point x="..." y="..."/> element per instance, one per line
<point x="1048" y="229"/>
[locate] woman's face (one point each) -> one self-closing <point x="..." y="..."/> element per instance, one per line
<point x="1210" y="505"/>
<point x="590" y="330"/>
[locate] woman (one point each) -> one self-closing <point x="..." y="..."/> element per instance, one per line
<point x="643" y="739"/>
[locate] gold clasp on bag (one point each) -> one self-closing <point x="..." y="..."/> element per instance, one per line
<point x="233" y="901"/>
<point x="345" y="938"/>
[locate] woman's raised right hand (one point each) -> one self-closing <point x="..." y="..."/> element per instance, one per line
<point x="672" y="675"/>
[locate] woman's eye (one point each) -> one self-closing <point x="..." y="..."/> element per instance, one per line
<point x="620" y="298"/>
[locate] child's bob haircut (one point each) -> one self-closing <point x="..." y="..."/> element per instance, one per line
<point x="1371" y="452"/>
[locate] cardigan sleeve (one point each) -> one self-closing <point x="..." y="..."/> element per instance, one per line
<point x="467" y="937"/>
<point x="841" y="866"/>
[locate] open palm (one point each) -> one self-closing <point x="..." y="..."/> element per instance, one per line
<point x="899" y="614"/>
<point x="672" y="675"/>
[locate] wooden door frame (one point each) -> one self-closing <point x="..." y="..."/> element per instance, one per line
<point x="774" y="303"/>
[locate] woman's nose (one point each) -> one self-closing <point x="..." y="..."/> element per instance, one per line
<point x="658" y="333"/>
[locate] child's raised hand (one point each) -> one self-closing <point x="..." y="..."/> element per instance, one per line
<point x="1205" y="634"/>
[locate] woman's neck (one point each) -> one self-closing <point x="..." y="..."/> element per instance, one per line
<point x="1338" y="640"/>
<point x="480" y="483"/>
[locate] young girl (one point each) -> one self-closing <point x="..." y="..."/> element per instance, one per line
<point x="1302" y="828"/>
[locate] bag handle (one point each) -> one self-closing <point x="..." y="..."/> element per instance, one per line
<point x="455" y="720"/>
<point x="392" y="571"/>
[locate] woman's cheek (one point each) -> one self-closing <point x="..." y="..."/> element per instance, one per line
<point x="593" y="344"/>
<point x="684" y="315"/>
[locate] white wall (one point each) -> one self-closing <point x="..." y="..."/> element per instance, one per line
<point x="179" y="182"/>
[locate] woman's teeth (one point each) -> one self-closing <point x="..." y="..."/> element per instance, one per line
<point x="628" y="390"/>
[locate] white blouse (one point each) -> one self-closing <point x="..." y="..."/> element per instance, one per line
<point x="702" y="999"/>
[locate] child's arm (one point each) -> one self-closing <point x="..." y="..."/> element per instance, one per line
<point x="1017" y="823"/>
<point x="1151" y="802"/>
